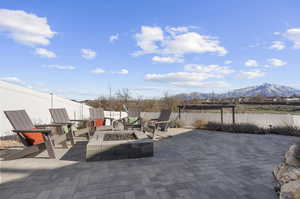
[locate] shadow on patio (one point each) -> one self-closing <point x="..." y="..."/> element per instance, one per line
<point x="196" y="164"/>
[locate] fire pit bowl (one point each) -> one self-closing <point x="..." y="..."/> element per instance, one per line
<point x="112" y="145"/>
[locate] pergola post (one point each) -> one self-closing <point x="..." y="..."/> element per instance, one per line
<point x="208" y="107"/>
<point x="233" y="115"/>
<point x="222" y="116"/>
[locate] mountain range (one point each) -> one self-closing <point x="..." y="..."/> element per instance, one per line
<point x="266" y="89"/>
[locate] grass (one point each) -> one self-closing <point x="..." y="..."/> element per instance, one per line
<point x="248" y="128"/>
<point x="200" y="124"/>
<point x="9" y="141"/>
<point x="179" y="123"/>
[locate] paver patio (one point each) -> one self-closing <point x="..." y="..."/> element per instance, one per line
<point x="195" y="164"/>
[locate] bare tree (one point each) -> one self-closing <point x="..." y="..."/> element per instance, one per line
<point x="124" y="95"/>
<point x="170" y="101"/>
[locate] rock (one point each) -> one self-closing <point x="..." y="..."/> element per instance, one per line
<point x="297" y="150"/>
<point x="285" y="173"/>
<point x="290" y="158"/>
<point x="290" y="190"/>
<point x="288" y="174"/>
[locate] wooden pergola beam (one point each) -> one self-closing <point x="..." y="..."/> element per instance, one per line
<point x="208" y="107"/>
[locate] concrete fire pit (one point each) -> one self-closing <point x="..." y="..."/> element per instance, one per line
<point x="112" y="145"/>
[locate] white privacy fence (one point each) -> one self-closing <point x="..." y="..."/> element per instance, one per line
<point x="36" y="104"/>
<point x="262" y="120"/>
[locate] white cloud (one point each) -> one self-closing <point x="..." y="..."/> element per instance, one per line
<point x="12" y="80"/>
<point x="213" y="84"/>
<point x="228" y="62"/>
<point x="175" y="30"/>
<point x="251" y="63"/>
<point x="251" y="74"/>
<point x="177" y="76"/>
<point x="185" y="79"/>
<point x="192" y="42"/>
<point x="88" y="53"/>
<point x="60" y="67"/>
<point x="167" y="59"/>
<point x="276" y="33"/>
<point x="215" y="70"/>
<point x="177" y="42"/>
<point x="278" y="45"/>
<point x="25" y="28"/>
<point x="293" y="34"/>
<point x="147" y="39"/>
<point x="45" y="53"/>
<point x="98" y="70"/>
<point x="189" y="79"/>
<point x="114" y="37"/>
<point x="194" y="75"/>
<point x="122" y="72"/>
<point x="276" y="62"/>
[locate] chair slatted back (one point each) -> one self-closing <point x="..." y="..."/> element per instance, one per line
<point x="134" y="112"/>
<point x="59" y="115"/>
<point x="165" y="115"/>
<point x="96" y="113"/>
<point x="19" y="119"/>
<point x="100" y="112"/>
<point x="97" y="116"/>
<point x="93" y="113"/>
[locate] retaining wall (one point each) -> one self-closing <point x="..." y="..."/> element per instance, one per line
<point x="263" y="120"/>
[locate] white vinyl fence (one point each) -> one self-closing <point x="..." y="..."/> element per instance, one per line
<point x="36" y="104"/>
<point x="262" y="120"/>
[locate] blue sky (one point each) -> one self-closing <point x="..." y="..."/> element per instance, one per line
<point x="79" y="49"/>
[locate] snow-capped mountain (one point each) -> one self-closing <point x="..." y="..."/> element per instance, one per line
<point x="267" y="90"/>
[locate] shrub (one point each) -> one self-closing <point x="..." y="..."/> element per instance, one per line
<point x="9" y="141"/>
<point x="214" y="126"/>
<point x="179" y="123"/>
<point x="285" y="130"/>
<point x="247" y="128"/>
<point x="200" y="124"/>
<point x="253" y="129"/>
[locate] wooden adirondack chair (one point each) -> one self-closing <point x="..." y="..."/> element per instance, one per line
<point x="34" y="139"/>
<point x="134" y="119"/>
<point x="60" y="116"/>
<point x="97" y="120"/>
<point x="162" y="122"/>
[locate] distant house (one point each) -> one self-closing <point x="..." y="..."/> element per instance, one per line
<point x="292" y="99"/>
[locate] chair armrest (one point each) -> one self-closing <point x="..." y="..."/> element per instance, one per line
<point x="162" y="122"/>
<point x="78" y="120"/>
<point x="44" y="131"/>
<point x="155" y="119"/>
<point x="47" y="125"/>
<point x="67" y="123"/>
